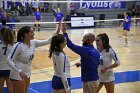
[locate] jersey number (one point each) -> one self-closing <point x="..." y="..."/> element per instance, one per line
<point x="101" y="61"/>
<point x="31" y="57"/>
<point x="5" y="50"/>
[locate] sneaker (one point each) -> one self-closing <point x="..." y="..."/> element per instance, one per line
<point x="126" y="45"/>
<point x="132" y="33"/>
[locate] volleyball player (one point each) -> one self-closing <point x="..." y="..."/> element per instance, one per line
<point x="106" y="75"/>
<point x="38" y="19"/>
<point x="6" y="44"/>
<point x="59" y="18"/>
<point x="20" y="59"/>
<point x="10" y="20"/>
<point x="126" y="26"/>
<point x="61" y="79"/>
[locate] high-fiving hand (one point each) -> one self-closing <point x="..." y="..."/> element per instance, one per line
<point x="64" y="27"/>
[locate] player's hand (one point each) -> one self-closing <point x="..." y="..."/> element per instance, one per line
<point x="23" y="75"/>
<point x="64" y="27"/>
<point x="78" y="64"/>
<point x="103" y="70"/>
<point x="69" y="90"/>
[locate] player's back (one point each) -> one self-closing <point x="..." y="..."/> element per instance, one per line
<point x="4" y="52"/>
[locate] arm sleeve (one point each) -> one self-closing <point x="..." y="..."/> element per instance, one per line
<point x="61" y="64"/>
<point x="114" y="56"/>
<point x="14" y="53"/>
<point x="82" y="51"/>
<point x="39" y="43"/>
<point x="129" y="19"/>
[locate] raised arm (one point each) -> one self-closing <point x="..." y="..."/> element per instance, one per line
<point x="39" y="43"/>
<point x="82" y="51"/>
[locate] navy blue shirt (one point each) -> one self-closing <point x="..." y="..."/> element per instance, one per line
<point x="89" y="60"/>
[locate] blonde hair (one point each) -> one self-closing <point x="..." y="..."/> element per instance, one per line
<point x="7" y="36"/>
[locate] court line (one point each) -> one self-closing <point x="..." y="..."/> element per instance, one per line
<point x="33" y="90"/>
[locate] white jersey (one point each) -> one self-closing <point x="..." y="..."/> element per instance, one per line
<point x="4" y="52"/>
<point x="105" y="61"/>
<point x="61" y="67"/>
<point x="20" y="58"/>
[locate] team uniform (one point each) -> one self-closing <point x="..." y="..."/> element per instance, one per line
<point x="105" y="61"/>
<point x="61" y="78"/>
<point x="59" y="16"/>
<point x="38" y="16"/>
<point x="126" y="25"/>
<point x="20" y="58"/>
<point x="4" y="52"/>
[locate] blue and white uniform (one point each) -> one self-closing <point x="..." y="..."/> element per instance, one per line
<point x="4" y="52"/>
<point x="105" y="61"/>
<point x="126" y="25"/>
<point x="61" y="78"/>
<point x="21" y="57"/>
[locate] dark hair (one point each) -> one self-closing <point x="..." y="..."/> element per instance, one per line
<point x="7" y="36"/>
<point x="128" y="13"/>
<point x="105" y="40"/>
<point x="55" y="44"/>
<point x="3" y="22"/>
<point x="21" y="33"/>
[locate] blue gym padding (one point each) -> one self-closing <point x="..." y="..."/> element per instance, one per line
<point x="45" y="86"/>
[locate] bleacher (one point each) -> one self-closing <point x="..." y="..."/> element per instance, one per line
<point x="46" y="17"/>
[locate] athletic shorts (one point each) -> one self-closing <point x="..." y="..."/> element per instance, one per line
<point x="57" y="83"/>
<point x="126" y="29"/>
<point x="4" y="73"/>
<point x="38" y="19"/>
